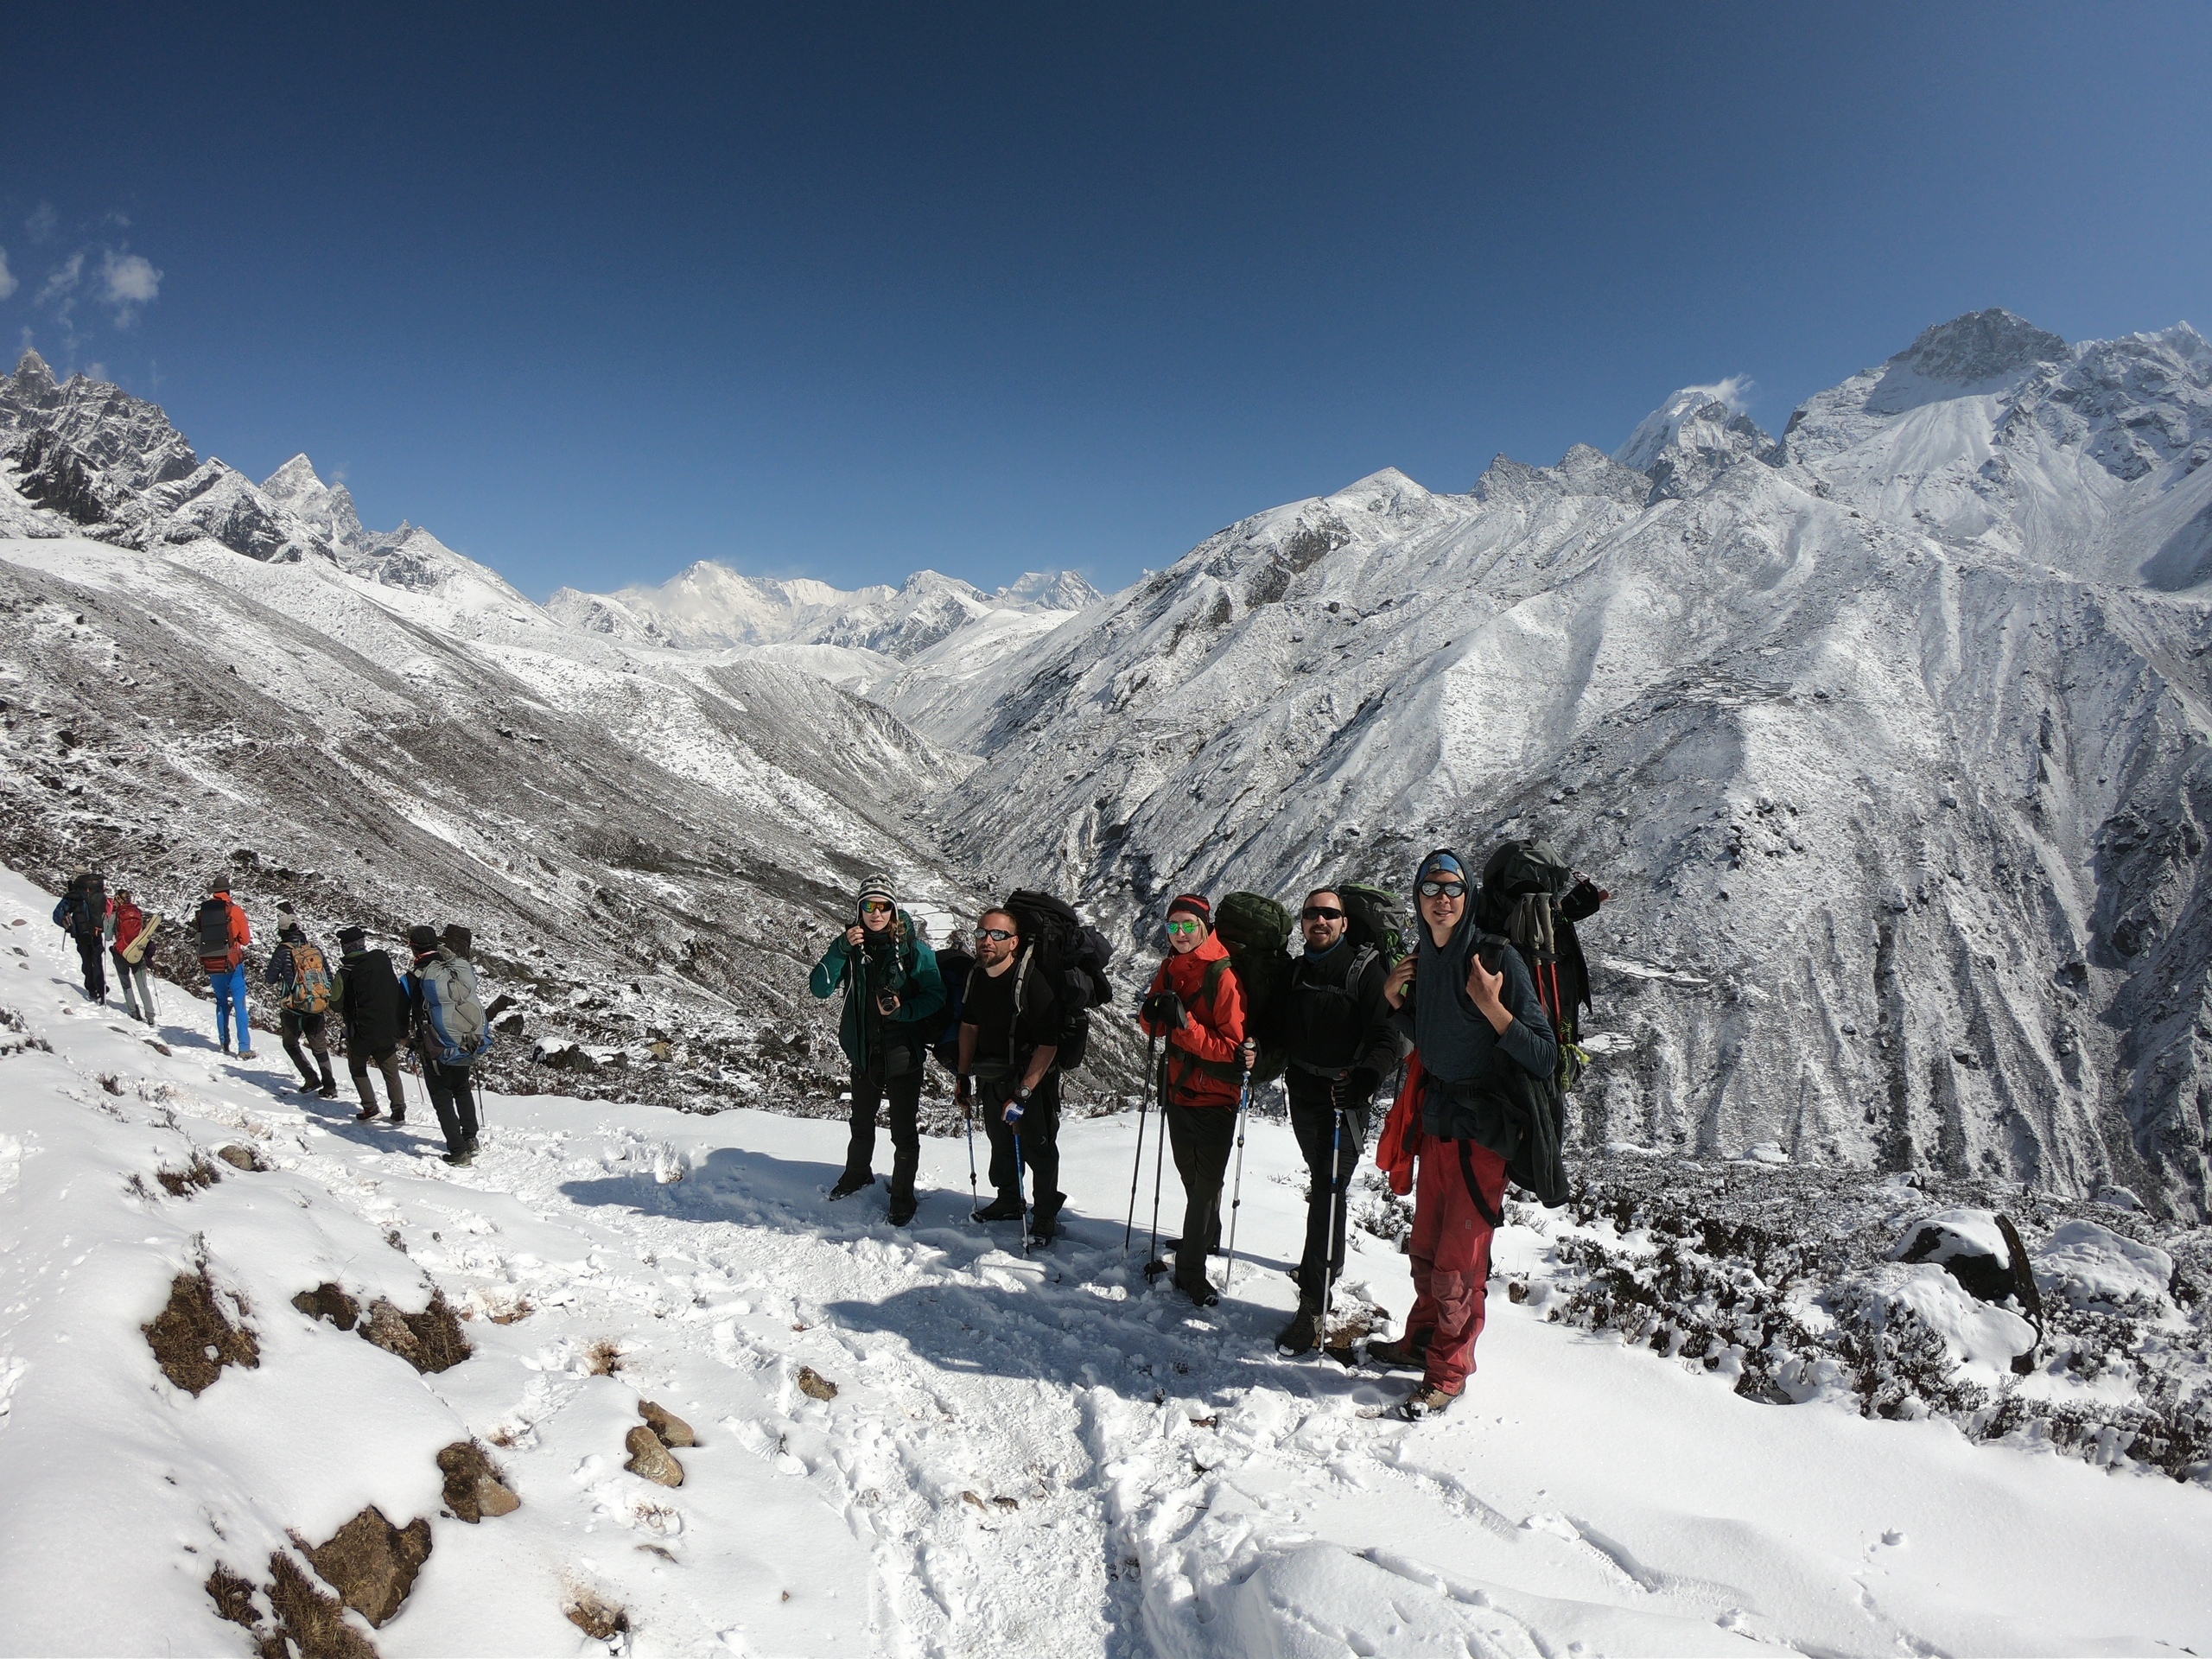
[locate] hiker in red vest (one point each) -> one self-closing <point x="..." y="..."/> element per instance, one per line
<point x="1195" y="1003"/>
<point x="1476" y="1014"/>
<point x="126" y="947"/>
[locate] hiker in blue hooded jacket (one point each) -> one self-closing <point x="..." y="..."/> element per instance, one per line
<point x="893" y="997"/>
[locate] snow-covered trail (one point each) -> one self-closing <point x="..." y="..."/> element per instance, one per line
<point x="1040" y="1456"/>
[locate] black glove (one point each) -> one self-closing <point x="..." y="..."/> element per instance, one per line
<point x="1362" y="1083"/>
<point x="1166" y="1009"/>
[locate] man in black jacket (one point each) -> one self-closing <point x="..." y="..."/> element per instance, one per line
<point x="366" y="998"/>
<point x="1335" y="1026"/>
<point x="1011" y="1029"/>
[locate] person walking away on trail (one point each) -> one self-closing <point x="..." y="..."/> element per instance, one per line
<point x="1335" y="1027"/>
<point x="224" y="934"/>
<point x="301" y="974"/>
<point x="1013" y="1026"/>
<point x="1469" y="1004"/>
<point x="892" y="992"/>
<point x="83" y="912"/>
<point x="450" y="1032"/>
<point x="1195" y="1006"/>
<point x="130" y="932"/>
<point x="371" y="1007"/>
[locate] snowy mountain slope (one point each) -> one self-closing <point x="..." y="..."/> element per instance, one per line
<point x="1904" y="819"/>
<point x="1020" y="1456"/>
<point x="647" y="850"/>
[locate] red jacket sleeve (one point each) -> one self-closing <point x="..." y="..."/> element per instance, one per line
<point x="241" y="930"/>
<point x="1220" y="1033"/>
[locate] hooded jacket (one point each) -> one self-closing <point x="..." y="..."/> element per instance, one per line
<point x="1216" y="1032"/>
<point x="861" y="1030"/>
<point x="365" y="994"/>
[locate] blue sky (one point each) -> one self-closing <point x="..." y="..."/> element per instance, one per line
<point x="847" y="291"/>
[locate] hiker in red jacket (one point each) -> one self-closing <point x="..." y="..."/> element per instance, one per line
<point x="224" y="933"/>
<point x="1195" y="1005"/>
<point x="126" y="923"/>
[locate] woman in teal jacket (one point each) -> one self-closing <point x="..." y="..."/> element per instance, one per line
<point x="894" y="995"/>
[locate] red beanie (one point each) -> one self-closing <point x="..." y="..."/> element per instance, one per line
<point x="1197" y="906"/>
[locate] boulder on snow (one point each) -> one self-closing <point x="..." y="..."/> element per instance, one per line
<point x="372" y="1564"/>
<point x="670" y="1429"/>
<point x="814" y="1385"/>
<point x="2092" y="1267"/>
<point x="649" y="1458"/>
<point x="595" y="1616"/>
<point x="429" y="1341"/>
<point x="474" y="1487"/>
<point x="242" y="1158"/>
<point x="1969" y="1245"/>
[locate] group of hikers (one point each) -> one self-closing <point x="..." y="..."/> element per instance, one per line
<point x="1474" y="1016"/>
<point x="434" y="1010"/>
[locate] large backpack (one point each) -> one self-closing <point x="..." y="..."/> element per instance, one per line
<point x="1069" y="957"/>
<point x="1256" y="929"/>
<point x="1531" y="896"/>
<point x="458" y="1028"/>
<point x="88" y="906"/>
<point x="212" y="924"/>
<point x="1374" y="916"/>
<point x="953" y="967"/>
<point x="308" y="989"/>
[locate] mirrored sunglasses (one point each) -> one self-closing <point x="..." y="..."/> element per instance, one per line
<point x="995" y="934"/>
<point x="1443" y="889"/>
<point x="874" y="907"/>
<point x="1186" y="927"/>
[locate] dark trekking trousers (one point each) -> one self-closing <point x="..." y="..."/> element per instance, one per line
<point x="294" y="1025"/>
<point x="1039" y="1130"/>
<point x="454" y="1099"/>
<point x="127" y="973"/>
<point x="1313" y="1119"/>
<point x="92" y="953"/>
<point x="904" y="1092"/>
<point x="1202" y="1138"/>
<point x="388" y="1063"/>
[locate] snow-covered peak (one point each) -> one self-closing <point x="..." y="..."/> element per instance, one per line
<point x="296" y="478"/>
<point x="33" y="378"/>
<point x="1047" y="590"/>
<point x="1982" y="347"/>
<point x="1703" y="409"/>
<point x="328" y="508"/>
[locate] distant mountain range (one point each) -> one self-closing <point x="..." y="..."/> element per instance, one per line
<point x="1889" y="735"/>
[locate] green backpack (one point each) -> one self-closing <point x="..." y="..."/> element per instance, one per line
<point x="1256" y="929"/>
<point x="1377" y="917"/>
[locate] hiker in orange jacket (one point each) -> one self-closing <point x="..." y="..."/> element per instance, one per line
<point x="1195" y="1005"/>
<point x="224" y="933"/>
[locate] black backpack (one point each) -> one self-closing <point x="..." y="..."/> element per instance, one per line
<point x="1530" y="896"/>
<point x="1256" y="929"/>
<point x="1069" y="958"/>
<point x="953" y="966"/>
<point x="213" y="922"/>
<point x="88" y="911"/>
<point x="1373" y="916"/>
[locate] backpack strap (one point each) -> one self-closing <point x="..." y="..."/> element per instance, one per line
<point x="1474" y="1188"/>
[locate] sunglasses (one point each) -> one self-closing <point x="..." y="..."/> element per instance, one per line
<point x="1186" y="927"/>
<point x="872" y="906"/>
<point x="1443" y="889"/>
<point x="1320" y="914"/>
<point x="995" y="934"/>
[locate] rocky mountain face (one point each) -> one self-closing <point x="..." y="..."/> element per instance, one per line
<point x="1889" y="738"/>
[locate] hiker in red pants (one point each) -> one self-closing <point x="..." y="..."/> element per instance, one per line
<point x="1476" y="1019"/>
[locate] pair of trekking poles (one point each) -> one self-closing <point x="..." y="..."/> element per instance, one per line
<point x="975" y="1197"/>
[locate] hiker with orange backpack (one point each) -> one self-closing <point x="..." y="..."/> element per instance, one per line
<point x="1196" y="1007"/>
<point x="1469" y="1003"/>
<point x="301" y="974"/>
<point x="224" y="933"/>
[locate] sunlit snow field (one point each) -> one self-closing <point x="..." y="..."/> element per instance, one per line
<point x="1023" y="1457"/>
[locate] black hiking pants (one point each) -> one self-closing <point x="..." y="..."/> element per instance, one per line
<point x="1201" y="1138"/>
<point x="92" y="953"/>
<point x="870" y="1089"/>
<point x="454" y="1099"/>
<point x="292" y="1026"/>
<point x="1039" y="1134"/>
<point x="1314" y="1104"/>
<point x="357" y="1062"/>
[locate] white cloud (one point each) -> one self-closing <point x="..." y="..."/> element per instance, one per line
<point x="40" y="225"/>
<point x="61" y="288"/>
<point x="8" y="282"/>
<point x="129" y="280"/>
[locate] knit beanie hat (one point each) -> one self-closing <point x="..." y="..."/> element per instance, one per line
<point x="423" y="941"/>
<point x="1191" y="903"/>
<point x="1442" y="864"/>
<point x="877" y="886"/>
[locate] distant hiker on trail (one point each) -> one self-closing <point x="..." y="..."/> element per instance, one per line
<point x="1470" y="1005"/>
<point x="892" y="993"/>
<point x="1195" y="1005"/>
<point x="82" y="910"/>
<point x="367" y="997"/>
<point x="130" y="932"/>
<point x="302" y="975"/>
<point x="1335" y="1027"/>
<point x="1013" y="1028"/>
<point x="450" y="1034"/>
<point x="224" y="934"/>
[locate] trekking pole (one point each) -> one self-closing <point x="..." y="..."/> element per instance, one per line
<point x="968" y="1116"/>
<point x="1136" y="1170"/>
<point x="1020" y="1197"/>
<point x="1154" y="1266"/>
<point x="1236" y="1189"/>
<point x="1336" y="1211"/>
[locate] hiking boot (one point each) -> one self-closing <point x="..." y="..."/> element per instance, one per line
<point x="1203" y="1293"/>
<point x="1303" y="1332"/>
<point x="460" y="1159"/>
<point x="471" y="1146"/>
<point x="902" y="1208"/>
<point x="849" y="1184"/>
<point x="326" y="1090"/>
<point x="1408" y="1353"/>
<point x="1426" y="1400"/>
<point x="367" y="1112"/>
<point x="226" y="1048"/>
<point x="1007" y="1207"/>
<point x="245" y="1054"/>
<point x="1045" y="1220"/>
<point x="398" y="1115"/>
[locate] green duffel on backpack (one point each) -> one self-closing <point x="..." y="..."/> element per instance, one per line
<point x="1256" y="929"/>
